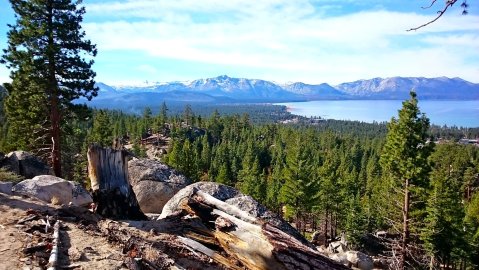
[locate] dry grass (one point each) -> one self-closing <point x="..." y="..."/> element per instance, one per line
<point x="55" y="200"/>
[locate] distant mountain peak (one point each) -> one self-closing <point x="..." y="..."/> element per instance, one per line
<point x="228" y="89"/>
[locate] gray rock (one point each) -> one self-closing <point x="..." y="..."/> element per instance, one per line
<point x="25" y="164"/>
<point x="360" y="260"/>
<point x="53" y="189"/>
<point x="233" y="197"/>
<point x="6" y="187"/>
<point x="340" y="258"/>
<point x="154" y="183"/>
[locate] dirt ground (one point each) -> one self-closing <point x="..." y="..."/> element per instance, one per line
<point x="78" y="249"/>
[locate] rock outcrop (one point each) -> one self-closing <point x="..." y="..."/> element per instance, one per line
<point x="360" y="260"/>
<point x="54" y="190"/>
<point x="154" y="183"/>
<point x="25" y="164"/>
<point x="6" y="187"/>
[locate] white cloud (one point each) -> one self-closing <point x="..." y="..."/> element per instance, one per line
<point x="462" y="41"/>
<point x="4" y="75"/>
<point x="289" y="39"/>
<point x="149" y="69"/>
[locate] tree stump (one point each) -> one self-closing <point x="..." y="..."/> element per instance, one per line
<point x="112" y="192"/>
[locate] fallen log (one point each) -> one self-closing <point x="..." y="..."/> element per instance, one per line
<point x="112" y="192"/>
<point x="247" y="241"/>
<point x="53" y="260"/>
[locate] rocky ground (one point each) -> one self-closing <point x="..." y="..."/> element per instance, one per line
<point x="78" y="249"/>
<point x="202" y="226"/>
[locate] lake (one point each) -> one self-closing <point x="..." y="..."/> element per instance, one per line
<point x="440" y="112"/>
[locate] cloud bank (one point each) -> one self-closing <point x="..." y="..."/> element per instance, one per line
<point x="280" y="40"/>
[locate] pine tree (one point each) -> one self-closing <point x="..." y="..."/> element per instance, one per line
<point x="275" y="179"/>
<point x="405" y="161"/>
<point x="47" y="46"/>
<point x="355" y="223"/>
<point x="26" y="120"/>
<point x="300" y="190"/>
<point x="188" y="115"/>
<point x="147" y="120"/>
<point x="472" y="222"/>
<point x="102" y="132"/>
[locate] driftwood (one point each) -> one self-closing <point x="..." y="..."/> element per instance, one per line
<point x="112" y="192"/>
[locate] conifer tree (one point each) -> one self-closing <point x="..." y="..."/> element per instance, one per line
<point x="275" y="180"/>
<point x="102" y="132"/>
<point x="47" y="48"/>
<point x="405" y="162"/>
<point x="26" y="120"/>
<point x="300" y="190"/>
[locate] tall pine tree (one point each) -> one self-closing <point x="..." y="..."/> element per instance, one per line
<point x="405" y="162"/>
<point x="47" y="47"/>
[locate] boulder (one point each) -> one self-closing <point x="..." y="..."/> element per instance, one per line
<point x="53" y="189"/>
<point x="25" y="164"/>
<point x="232" y="197"/>
<point x="340" y="258"/>
<point x="6" y="187"/>
<point x="360" y="260"/>
<point x="154" y="183"/>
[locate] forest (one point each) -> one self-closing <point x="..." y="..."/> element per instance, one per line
<point x="326" y="175"/>
<point x="406" y="178"/>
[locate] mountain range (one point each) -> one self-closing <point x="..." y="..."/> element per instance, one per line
<point x="224" y="89"/>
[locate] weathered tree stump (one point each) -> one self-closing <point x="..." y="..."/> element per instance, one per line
<point x="112" y="192"/>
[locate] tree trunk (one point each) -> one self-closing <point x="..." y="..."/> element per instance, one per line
<point x="325" y="229"/>
<point x="405" y="236"/>
<point x="56" y="153"/>
<point x="112" y="192"/>
<point x="55" y="118"/>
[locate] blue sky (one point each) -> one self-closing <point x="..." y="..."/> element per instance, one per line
<point x="312" y="41"/>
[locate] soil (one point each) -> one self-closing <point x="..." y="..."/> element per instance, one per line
<point x="78" y="249"/>
<point x="87" y="241"/>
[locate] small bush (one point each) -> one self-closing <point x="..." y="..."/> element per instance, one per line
<point x="7" y="176"/>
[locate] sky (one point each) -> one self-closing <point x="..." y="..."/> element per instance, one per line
<point x="312" y="41"/>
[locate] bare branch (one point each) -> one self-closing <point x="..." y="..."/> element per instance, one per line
<point x="449" y="3"/>
<point x="432" y="4"/>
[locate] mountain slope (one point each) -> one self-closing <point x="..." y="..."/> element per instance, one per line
<point x="315" y="92"/>
<point x="399" y="87"/>
<point x="224" y="89"/>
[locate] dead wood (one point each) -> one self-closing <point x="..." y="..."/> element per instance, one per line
<point x="247" y="241"/>
<point x="112" y="192"/>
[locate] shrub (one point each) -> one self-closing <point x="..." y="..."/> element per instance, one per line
<point x="7" y="176"/>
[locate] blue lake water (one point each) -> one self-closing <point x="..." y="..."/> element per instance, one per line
<point x="440" y="112"/>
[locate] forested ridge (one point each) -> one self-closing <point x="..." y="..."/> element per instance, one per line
<point x="321" y="175"/>
<point x="412" y="183"/>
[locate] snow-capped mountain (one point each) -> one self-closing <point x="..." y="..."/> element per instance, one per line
<point x="399" y="87"/>
<point x="312" y="92"/>
<point x="224" y="89"/>
<point x="220" y="87"/>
